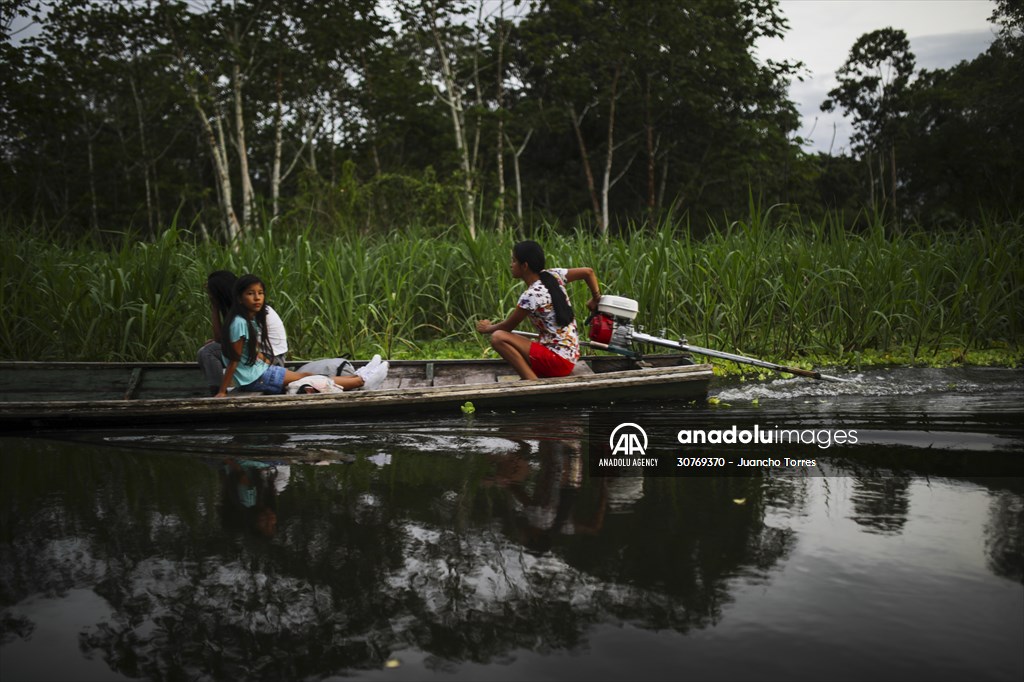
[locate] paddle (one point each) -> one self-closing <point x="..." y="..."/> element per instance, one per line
<point x="722" y="355"/>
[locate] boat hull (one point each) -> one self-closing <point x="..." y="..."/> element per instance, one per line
<point x="102" y="394"/>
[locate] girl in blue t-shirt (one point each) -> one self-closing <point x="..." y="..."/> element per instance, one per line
<point x="245" y="346"/>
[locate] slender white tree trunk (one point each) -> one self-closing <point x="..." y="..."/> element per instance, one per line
<point x="607" y="180"/>
<point x="892" y="170"/>
<point x="591" y="188"/>
<point x="871" y="181"/>
<point x="516" y="153"/>
<point x="651" y="149"/>
<point x="275" y="172"/>
<point x="218" y="153"/>
<point x="92" y="185"/>
<point x="145" y="155"/>
<point x="664" y="179"/>
<point x="235" y="230"/>
<point x="500" y="147"/>
<point x="453" y="98"/>
<point x="248" y="198"/>
<point x="221" y="169"/>
<point x="369" y="84"/>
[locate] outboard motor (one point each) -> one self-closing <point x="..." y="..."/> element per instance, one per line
<point x="611" y="329"/>
<point x="612" y="325"/>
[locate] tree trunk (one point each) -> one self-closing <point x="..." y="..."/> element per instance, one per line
<point x="881" y="176"/>
<point x="871" y="183"/>
<point x="248" y="200"/>
<point x="94" y="209"/>
<point x="664" y="179"/>
<point x="591" y="188"/>
<point x="235" y="228"/>
<point x="649" y="126"/>
<point x="275" y="171"/>
<point x="606" y="183"/>
<point x="516" y="153"/>
<point x="500" y="147"/>
<point x="377" y="170"/>
<point x="475" y="156"/>
<point x="892" y="171"/>
<point x="145" y="155"/>
<point x="332" y="157"/>
<point x="454" y="100"/>
<point x="220" y="161"/>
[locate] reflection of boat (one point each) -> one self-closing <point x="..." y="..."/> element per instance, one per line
<point x="57" y="395"/>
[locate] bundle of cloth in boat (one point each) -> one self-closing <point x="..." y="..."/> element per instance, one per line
<point x="322" y="371"/>
<point x="317" y="383"/>
<point x="321" y="382"/>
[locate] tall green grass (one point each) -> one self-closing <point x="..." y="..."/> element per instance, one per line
<point x="754" y="286"/>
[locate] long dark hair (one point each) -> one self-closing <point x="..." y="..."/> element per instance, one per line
<point x="237" y="309"/>
<point x="221" y="286"/>
<point x="532" y="254"/>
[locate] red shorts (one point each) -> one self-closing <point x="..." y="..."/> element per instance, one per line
<point x="547" y="363"/>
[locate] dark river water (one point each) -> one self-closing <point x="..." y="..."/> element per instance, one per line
<point x="491" y="546"/>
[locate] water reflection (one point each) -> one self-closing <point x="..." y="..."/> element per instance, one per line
<point x="1004" y="536"/>
<point x="474" y="541"/>
<point x="881" y="503"/>
<point x="364" y="558"/>
<point x="542" y="499"/>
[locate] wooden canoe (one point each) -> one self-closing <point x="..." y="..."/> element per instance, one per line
<point x="44" y="395"/>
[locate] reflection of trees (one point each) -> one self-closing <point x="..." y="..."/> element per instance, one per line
<point x="667" y="563"/>
<point x="365" y="561"/>
<point x="1004" y="536"/>
<point x="880" y="502"/>
<point x="684" y="541"/>
<point x="789" y="493"/>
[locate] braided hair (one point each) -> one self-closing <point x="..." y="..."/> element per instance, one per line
<point x="532" y="254"/>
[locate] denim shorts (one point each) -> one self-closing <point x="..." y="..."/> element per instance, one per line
<point x="272" y="382"/>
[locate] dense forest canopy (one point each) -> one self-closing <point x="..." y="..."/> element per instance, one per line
<point x="372" y="116"/>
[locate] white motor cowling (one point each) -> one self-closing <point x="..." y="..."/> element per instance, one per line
<point x="618" y="307"/>
<point x="612" y="324"/>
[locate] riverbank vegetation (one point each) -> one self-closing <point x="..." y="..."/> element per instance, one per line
<point x="375" y="161"/>
<point x="342" y="116"/>
<point x="809" y="292"/>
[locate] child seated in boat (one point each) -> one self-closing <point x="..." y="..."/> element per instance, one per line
<point x="245" y="346"/>
<point x="220" y="287"/>
<point x="546" y="303"/>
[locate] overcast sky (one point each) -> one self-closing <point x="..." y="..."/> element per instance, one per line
<point x="941" y="32"/>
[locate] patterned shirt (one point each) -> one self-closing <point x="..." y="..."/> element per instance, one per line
<point x="536" y="301"/>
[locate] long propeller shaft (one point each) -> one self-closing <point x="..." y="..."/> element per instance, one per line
<point x="722" y="355"/>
